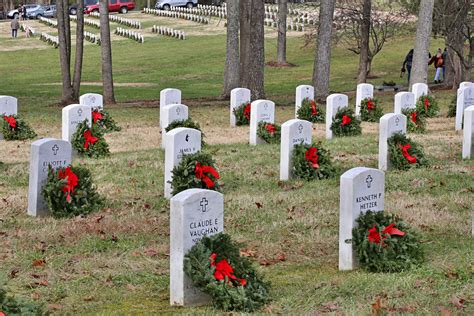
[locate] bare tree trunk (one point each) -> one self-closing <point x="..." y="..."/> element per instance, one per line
<point x="76" y="85"/>
<point x="364" y="41"/>
<point x="231" y="70"/>
<point x="64" y="55"/>
<point x="322" y="60"/>
<point x="419" y="72"/>
<point x="281" y="42"/>
<point x="106" y="48"/>
<point x="252" y="50"/>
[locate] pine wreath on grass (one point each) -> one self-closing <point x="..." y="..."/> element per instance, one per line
<point x="90" y="142"/>
<point x="370" y="110"/>
<point x="405" y="153"/>
<point x="416" y="122"/>
<point x="195" y="171"/>
<point x="312" y="162"/>
<point x="385" y="243"/>
<point x="345" y="123"/>
<point x="10" y="306"/>
<point x="188" y="123"/>
<point x="310" y="111"/>
<point x="215" y="267"/>
<point x="105" y="121"/>
<point x="70" y="192"/>
<point x="427" y="105"/>
<point x="270" y="133"/>
<point x="242" y="114"/>
<point x="14" y="128"/>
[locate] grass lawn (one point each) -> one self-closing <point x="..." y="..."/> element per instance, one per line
<point x="116" y="262"/>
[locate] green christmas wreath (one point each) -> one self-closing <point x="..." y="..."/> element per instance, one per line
<point x="12" y="306"/>
<point x="188" y="123"/>
<point x="312" y="162"/>
<point x="370" y="110"/>
<point x="195" y="171"/>
<point x="345" y="123"/>
<point x="310" y="111"/>
<point x="405" y="153"/>
<point x="90" y="142"/>
<point x="452" y="107"/>
<point x="384" y="243"/>
<point x="215" y="266"/>
<point x="242" y="114"/>
<point x="416" y="122"/>
<point x="270" y="133"/>
<point x="105" y="121"/>
<point x="70" y="192"/>
<point x="427" y="105"/>
<point x="14" y="128"/>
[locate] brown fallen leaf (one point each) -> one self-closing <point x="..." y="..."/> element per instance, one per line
<point x="131" y="287"/>
<point x="376" y="306"/>
<point x="458" y="302"/>
<point x="114" y="238"/>
<point x="14" y="272"/>
<point x="88" y="298"/>
<point x="331" y="306"/>
<point x="444" y="311"/>
<point x="259" y="205"/>
<point x="38" y="263"/>
<point x="97" y="219"/>
<point x="248" y="253"/>
<point x="35" y="296"/>
<point x="281" y="257"/>
<point x="151" y="252"/>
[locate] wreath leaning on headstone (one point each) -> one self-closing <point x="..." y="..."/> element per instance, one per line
<point x="345" y="123"/>
<point x="105" y="121"/>
<point x="70" y="192"/>
<point x="405" y="153"/>
<point x="270" y="133"/>
<point x="384" y="243"/>
<point x="242" y="114"/>
<point x="427" y="105"/>
<point x="416" y="122"/>
<point x="312" y="162"/>
<point x="188" y="123"/>
<point x="216" y="267"/>
<point x="14" y="128"/>
<point x="90" y="142"/>
<point x="310" y="111"/>
<point x="195" y="171"/>
<point x="10" y="305"/>
<point x="370" y="110"/>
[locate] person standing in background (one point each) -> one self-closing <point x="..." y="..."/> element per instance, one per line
<point x="445" y="59"/>
<point x="407" y="63"/>
<point x="15" y="25"/>
<point x="438" y="62"/>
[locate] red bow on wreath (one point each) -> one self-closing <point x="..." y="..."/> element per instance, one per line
<point x="375" y="237"/>
<point x="346" y="120"/>
<point x="270" y="128"/>
<point x="89" y="139"/>
<point x="10" y="120"/>
<point x="71" y="183"/>
<point x="96" y="116"/>
<point x="2" y="314"/>
<point x="410" y="159"/>
<point x="427" y="104"/>
<point x="247" y="111"/>
<point x="314" y="110"/>
<point x="413" y="117"/>
<point x="311" y="156"/>
<point x="370" y="104"/>
<point x="223" y="270"/>
<point x="200" y="172"/>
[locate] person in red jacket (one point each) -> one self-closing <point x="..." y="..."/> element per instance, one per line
<point x="438" y="62"/>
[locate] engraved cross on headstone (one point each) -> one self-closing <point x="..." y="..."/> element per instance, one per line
<point x="92" y="99"/>
<point x="397" y="120"/>
<point x="187" y="138"/>
<point x="178" y="110"/>
<point x="369" y="180"/>
<point x="79" y="112"/>
<point x="55" y="149"/>
<point x="300" y="128"/>
<point x="265" y="106"/>
<point x="204" y="203"/>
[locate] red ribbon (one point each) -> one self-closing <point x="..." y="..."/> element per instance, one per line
<point x="201" y="171"/>
<point x="89" y="139"/>
<point x="270" y="128"/>
<point x="71" y="183"/>
<point x="413" y="117"/>
<point x="427" y="104"/>
<point x="375" y="237"/>
<point x="10" y="120"/>
<point x="346" y="120"/>
<point x="96" y="116"/>
<point x="224" y="270"/>
<point x="311" y="156"/>
<point x="410" y="159"/>
<point x="2" y="313"/>
<point x="247" y="111"/>
<point x="314" y="110"/>
<point x="370" y="104"/>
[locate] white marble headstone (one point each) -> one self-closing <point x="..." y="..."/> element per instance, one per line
<point x="362" y="189"/>
<point x="303" y="92"/>
<point x="465" y="99"/>
<point x="404" y="100"/>
<point x="465" y="84"/>
<point x="44" y="153"/>
<point x="364" y="91"/>
<point x="293" y="132"/>
<point x="195" y="213"/>
<point x="94" y="100"/>
<point x="468" y="133"/>
<point x="179" y="141"/>
<point x="334" y="102"/>
<point x="238" y="96"/>
<point x="169" y="96"/>
<point x="419" y="89"/>
<point x="390" y="124"/>
<point x="72" y="115"/>
<point x="171" y="113"/>
<point x="8" y="106"/>
<point x="261" y="111"/>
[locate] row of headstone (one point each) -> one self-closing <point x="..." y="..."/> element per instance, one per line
<point x="88" y="22"/>
<point x="133" y="35"/>
<point x="74" y="114"/>
<point x="161" y="30"/>
<point x="178" y="15"/>
<point x="49" y="39"/>
<point x="48" y="22"/>
<point x="118" y="19"/>
<point x="91" y="37"/>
